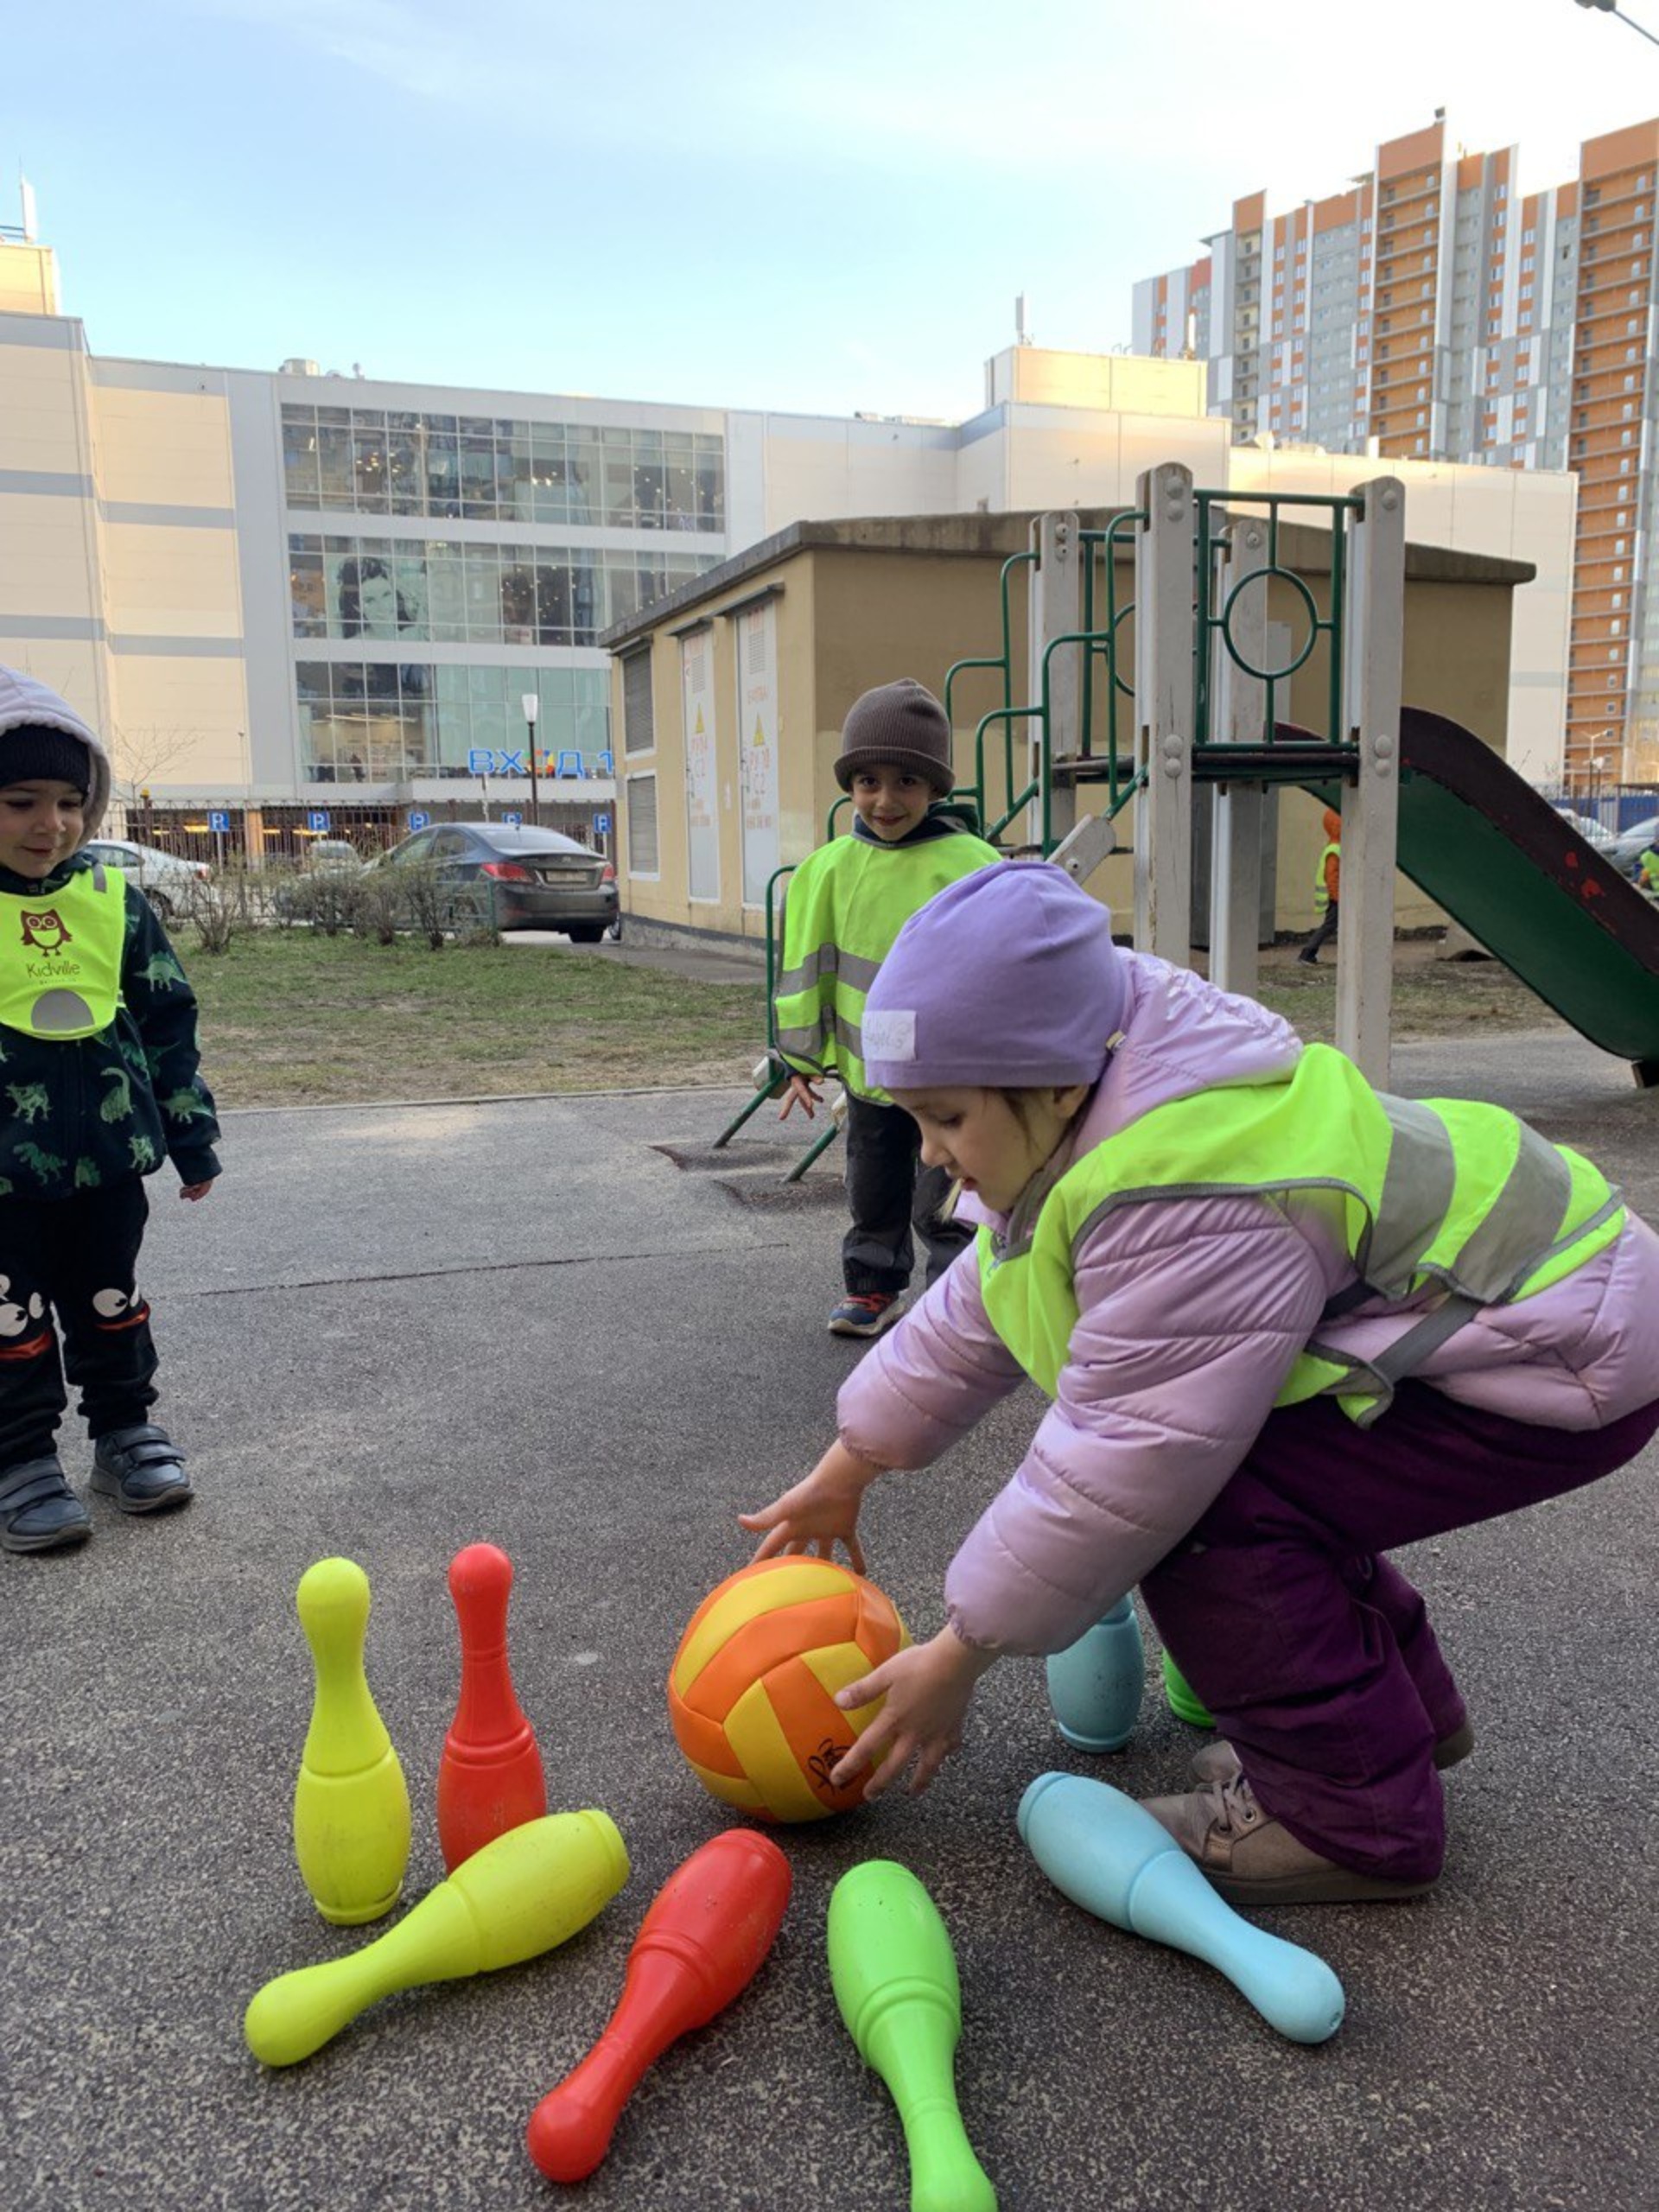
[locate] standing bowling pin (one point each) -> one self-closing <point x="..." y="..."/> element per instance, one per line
<point x="1179" y="1695"/>
<point x="1108" y="1854"/>
<point x="894" y="1976"/>
<point x="519" y="1896"/>
<point x="351" y="1804"/>
<point x="490" y="1776"/>
<point x="703" y="1941"/>
<point x="1094" y="1685"/>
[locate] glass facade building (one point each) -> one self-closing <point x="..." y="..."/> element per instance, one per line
<point x="386" y="712"/>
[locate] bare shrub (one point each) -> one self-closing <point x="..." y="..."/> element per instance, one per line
<point x="219" y="908"/>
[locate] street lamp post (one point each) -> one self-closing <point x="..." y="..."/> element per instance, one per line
<point x="532" y="706"/>
<point x="1610" y="7"/>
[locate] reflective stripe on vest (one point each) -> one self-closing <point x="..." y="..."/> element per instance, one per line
<point x="841" y="915"/>
<point x="1440" y="1195"/>
<point x="60" y="972"/>
<point x="1321" y="890"/>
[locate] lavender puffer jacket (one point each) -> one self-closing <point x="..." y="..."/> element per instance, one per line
<point x="1192" y="1313"/>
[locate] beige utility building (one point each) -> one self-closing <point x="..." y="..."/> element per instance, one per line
<point x="728" y="696"/>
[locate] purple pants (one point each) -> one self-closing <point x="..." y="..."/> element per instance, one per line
<point x="1315" y="1654"/>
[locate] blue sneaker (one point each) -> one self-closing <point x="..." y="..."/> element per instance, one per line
<point x="866" y="1314"/>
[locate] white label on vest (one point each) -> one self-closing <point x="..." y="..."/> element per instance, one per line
<point x="890" y="1035"/>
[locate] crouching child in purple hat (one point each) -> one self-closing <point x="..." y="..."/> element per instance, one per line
<point x="1285" y="1323"/>
<point x="98" y="1086"/>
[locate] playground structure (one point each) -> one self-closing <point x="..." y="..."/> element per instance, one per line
<point x="1103" y="726"/>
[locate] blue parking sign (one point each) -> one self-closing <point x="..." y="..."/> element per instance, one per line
<point x="515" y="818"/>
<point x="218" y="821"/>
<point x="317" y="818"/>
<point x="418" y="817"/>
<point x="601" y="825"/>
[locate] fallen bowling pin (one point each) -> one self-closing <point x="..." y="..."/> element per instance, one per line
<point x="351" y="1803"/>
<point x="490" y="1776"/>
<point x="895" y="1976"/>
<point x="1111" y="1856"/>
<point x="707" y="1932"/>
<point x="520" y="1895"/>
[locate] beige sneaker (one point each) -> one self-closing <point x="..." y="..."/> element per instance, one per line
<point x="1220" y="1762"/>
<point x="1251" y="1858"/>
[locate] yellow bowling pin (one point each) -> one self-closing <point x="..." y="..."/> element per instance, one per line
<point x="519" y="1896"/>
<point x="350" y="1805"/>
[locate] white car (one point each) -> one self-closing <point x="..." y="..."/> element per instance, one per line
<point x="1593" y="832"/>
<point x="164" y="878"/>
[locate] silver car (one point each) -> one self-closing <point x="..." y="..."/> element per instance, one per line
<point x="165" y="879"/>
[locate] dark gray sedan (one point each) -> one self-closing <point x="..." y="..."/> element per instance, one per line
<point x="516" y="877"/>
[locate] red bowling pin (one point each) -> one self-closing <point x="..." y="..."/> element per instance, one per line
<point x="708" y="1930"/>
<point x="489" y="1776"/>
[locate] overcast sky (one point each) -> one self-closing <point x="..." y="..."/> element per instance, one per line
<point x="817" y="208"/>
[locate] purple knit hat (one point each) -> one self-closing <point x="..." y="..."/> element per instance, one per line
<point x="1008" y="979"/>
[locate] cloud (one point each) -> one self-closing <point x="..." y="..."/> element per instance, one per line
<point x="434" y="57"/>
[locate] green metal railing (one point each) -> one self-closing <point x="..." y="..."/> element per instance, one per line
<point x="1212" y="622"/>
<point x="1099" y="641"/>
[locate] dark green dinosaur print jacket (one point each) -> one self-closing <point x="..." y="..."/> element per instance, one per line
<point x="76" y="1116"/>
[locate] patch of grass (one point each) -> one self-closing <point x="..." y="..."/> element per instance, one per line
<point x="1431" y="998"/>
<point x="289" y="1018"/>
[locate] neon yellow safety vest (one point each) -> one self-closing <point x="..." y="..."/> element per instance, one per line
<point x="1321" y="895"/>
<point x="1650" y="868"/>
<point x="846" y="904"/>
<point x="1436" y="1192"/>
<point x="61" y="956"/>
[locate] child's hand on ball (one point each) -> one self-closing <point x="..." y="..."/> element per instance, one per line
<point x="928" y="1689"/>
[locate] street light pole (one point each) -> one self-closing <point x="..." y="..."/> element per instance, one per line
<point x="1610" y="7"/>
<point x="532" y="706"/>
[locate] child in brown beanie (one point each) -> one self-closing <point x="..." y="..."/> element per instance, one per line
<point x="846" y="904"/>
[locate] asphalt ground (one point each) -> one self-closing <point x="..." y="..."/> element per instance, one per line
<point x="567" y="1326"/>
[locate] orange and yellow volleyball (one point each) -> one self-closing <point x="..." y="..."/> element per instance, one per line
<point x="751" y="1691"/>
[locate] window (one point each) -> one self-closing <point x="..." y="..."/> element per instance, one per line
<point x="640" y="794"/>
<point x="638" y="728"/>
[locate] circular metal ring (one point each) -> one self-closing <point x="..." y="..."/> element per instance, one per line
<point x="1225" y="624"/>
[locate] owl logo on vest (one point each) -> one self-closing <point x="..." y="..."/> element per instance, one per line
<point x="45" y="931"/>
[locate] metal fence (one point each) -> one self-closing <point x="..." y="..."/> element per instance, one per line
<point x="1615" y="806"/>
<point x="243" y="834"/>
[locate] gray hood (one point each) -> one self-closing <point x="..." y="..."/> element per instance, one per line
<point x="26" y="703"/>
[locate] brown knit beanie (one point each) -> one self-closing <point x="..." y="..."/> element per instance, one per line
<point x="898" y="725"/>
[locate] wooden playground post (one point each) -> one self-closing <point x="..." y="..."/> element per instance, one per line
<point x="1373" y="649"/>
<point x="1164" y="688"/>
<point x="1056" y="611"/>
<point x="1237" y="809"/>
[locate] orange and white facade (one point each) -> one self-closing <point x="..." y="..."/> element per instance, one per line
<point x="1434" y="312"/>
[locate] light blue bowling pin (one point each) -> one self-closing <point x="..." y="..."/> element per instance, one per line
<point x="1095" y="1684"/>
<point x="1108" y="1854"/>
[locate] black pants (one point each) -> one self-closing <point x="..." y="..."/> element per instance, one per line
<point x="1323" y="935"/>
<point x="75" y="1258"/>
<point x="888" y="1196"/>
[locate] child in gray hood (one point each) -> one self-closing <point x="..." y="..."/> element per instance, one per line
<point x="99" y="1085"/>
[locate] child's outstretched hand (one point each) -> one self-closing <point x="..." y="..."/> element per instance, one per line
<point x="819" y="1513"/>
<point x="799" y="1091"/>
<point x="193" y="1191"/>
<point x="928" y="1689"/>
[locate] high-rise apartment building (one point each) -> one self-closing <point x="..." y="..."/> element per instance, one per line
<point x="1431" y="312"/>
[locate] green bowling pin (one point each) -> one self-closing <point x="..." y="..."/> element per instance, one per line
<point x="1178" y="1695"/>
<point x="517" y="1897"/>
<point x="894" y="1976"/>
